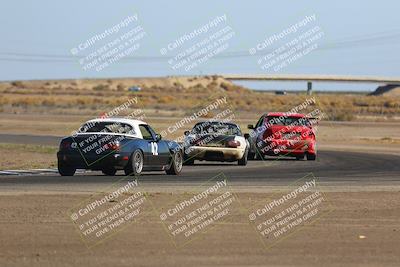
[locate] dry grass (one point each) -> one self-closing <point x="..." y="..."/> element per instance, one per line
<point x="20" y="156"/>
<point x="92" y="97"/>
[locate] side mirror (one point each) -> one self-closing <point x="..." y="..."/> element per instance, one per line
<point x="186" y="133"/>
<point x="250" y="126"/>
<point x="158" y="137"/>
<point x="247" y="136"/>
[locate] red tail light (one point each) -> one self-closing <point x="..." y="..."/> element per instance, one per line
<point x="65" y="145"/>
<point x="307" y="134"/>
<point x="233" y="143"/>
<point x="114" y="146"/>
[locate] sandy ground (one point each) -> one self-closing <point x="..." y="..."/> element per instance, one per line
<point x="362" y="229"/>
<point x="20" y="156"/>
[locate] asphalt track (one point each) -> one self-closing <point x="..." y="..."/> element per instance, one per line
<point x="30" y="139"/>
<point x="331" y="168"/>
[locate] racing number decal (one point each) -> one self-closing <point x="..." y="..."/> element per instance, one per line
<point x="154" y="148"/>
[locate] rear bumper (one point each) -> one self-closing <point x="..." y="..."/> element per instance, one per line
<point x="288" y="147"/>
<point x="214" y="153"/>
<point x="76" y="160"/>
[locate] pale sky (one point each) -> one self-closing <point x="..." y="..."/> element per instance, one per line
<point x="360" y="37"/>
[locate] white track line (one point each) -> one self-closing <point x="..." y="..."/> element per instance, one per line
<point x="34" y="171"/>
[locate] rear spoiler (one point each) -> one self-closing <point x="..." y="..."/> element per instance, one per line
<point x="313" y="120"/>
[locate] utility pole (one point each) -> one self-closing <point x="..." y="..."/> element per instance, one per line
<point x="309" y="88"/>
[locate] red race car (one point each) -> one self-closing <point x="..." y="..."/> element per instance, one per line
<point x="283" y="134"/>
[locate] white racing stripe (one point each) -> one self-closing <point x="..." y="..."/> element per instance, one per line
<point x="8" y="173"/>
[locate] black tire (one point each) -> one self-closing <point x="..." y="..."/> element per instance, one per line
<point x="66" y="170"/>
<point x="258" y="156"/>
<point x="300" y="157"/>
<point x="135" y="163"/>
<point x="311" y="156"/>
<point x="243" y="160"/>
<point x="109" y="171"/>
<point x="250" y="156"/>
<point x="175" y="167"/>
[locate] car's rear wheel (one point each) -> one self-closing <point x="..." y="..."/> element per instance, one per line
<point x="243" y="160"/>
<point x="175" y="167"/>
<point x="301" y="157"/>
<point x="311" y="156"/>
<point x="66" y="170"/>
<point x="109" y="171"/>
<point x="135" y="164"/>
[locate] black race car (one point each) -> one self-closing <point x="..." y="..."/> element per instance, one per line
<point x="113" y="144"/>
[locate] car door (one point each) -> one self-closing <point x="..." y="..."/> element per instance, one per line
<point x="257" y="134"/>
<point x="151" y="147"/>
<point x="163" y="153"/>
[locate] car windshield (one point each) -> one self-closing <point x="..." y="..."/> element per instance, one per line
<point x="106" y="127"/>
<point x="216" y="128"/>
<point x="287" y="121"/>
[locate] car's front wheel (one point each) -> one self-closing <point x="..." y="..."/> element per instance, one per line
<point x="65" y="170"/>
<point x="135" y="164"/>
<point x="243" y="160"/>
<point x="175" y="167"/>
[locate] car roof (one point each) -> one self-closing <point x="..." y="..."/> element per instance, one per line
<point x="278" y="114"/>
<point x="132" y="122"/>
<point x="215" y="121"/>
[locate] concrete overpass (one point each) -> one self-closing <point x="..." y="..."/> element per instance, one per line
<point x="309" y="78"/>
<point x="312" y="78"/>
